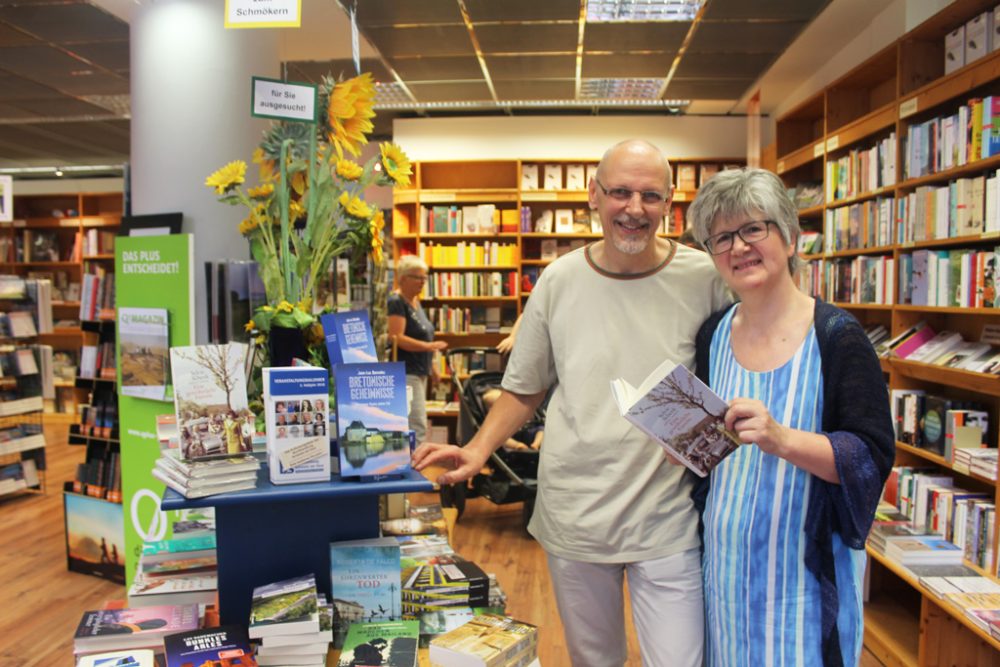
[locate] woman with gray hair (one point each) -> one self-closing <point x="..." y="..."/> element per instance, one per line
<point x="414" y="336"/>
<point x="787" y="515"/>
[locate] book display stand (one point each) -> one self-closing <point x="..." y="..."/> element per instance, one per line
<point x="275" y="532"/>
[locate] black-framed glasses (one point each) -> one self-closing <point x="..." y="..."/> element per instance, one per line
<point x="648" y="197"/>
<point x="750" y="232"/>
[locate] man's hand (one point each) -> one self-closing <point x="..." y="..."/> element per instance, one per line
<point x="462" y="462"/>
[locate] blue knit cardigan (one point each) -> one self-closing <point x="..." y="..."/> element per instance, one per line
<point x="856" y="419"/>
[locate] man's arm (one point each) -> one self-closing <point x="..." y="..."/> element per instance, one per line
<point x="504" y="419"/>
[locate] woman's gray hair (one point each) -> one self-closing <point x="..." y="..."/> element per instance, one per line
<point x="410" y="264"/>
<point x="737" y="193"/>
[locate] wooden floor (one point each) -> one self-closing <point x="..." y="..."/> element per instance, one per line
<point x="41" y="602"/>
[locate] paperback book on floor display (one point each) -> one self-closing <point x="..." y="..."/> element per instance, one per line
<point x="486" y="641"/>
<point x="438" y="582"/>
<point x="143" y="657"/>
<point x="210" y="399"/>
<point x="121" y="629"/>
<point x="197" y="546"/>
<point x="186" y="589"/>
<point x="349" y="338"/>
<point x="295" y="409"/>
<point x="288" y="607"/>
<point x="227" y="645"/>
<point x="372" y="425"/>
<point x="144" y="339"/>
<point x="364" y="583"/>
<point x="388" y="643"/>
<point x="681" y="413"/>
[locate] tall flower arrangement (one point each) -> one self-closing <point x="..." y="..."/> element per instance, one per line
<point x="307" y="206"/>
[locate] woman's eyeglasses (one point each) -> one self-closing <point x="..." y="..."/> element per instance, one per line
<point x="751" y="232"/>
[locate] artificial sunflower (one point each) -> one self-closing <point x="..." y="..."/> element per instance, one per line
<point x="248" y="225"/>
<point x="396" y="163"/>
<point x="350" y="112"/>
<point x="265" y="166"/>
<point x="262" y="191"/>
<point x="227" y="177"/>
<point x="249" y="326"/>
<point x="375" y="227"/>
<point x="284" y="307"/>
<point x="354" y="207"/>
<point x="295" y="210"/>
<point x="349" y="170"/>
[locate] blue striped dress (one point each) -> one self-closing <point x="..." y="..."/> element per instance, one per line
<point x="762" y="605"/>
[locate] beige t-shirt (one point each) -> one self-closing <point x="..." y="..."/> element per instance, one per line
<point x="606" y="493"/>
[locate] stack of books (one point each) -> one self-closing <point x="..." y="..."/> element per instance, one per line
<point x="197" y="479"/>
<point x="177" y="571"/>
<point x="983" y="609"/>
<point x="485" y="641"/>
<point x="127" y="629"/>
<point x="922" y="549"/>
<point x="285" y="617"/>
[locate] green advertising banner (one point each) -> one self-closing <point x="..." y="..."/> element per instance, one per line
<point x="154" y="299"/>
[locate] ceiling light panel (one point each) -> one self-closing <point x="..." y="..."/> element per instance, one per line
<point x="389" y="94"/>
<point x="617" y="11"/>
<point x="620" y="89"/>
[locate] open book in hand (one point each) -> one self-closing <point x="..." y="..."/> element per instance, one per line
<point x="680" y="412"/>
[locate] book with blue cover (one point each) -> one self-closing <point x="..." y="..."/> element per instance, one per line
<point x="295" y="409"/>
<point x="349" y="338"/>
<point x="364" y="583"/>
<point x="226" y="644"/>
<point x="373" y="433"/>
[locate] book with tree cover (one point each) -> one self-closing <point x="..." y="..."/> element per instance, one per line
<point x="681" y="413"/>
<point x="210" y="398"/>
<point x="382" y="643"/>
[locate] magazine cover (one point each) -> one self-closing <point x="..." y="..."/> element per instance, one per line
<point x="95" y="537"/>
<point x="227" y="645"/>
<point x="285" y="607"/>
<point x="297" y="417"/>
<point x="364" y="583"/>
<point x="389" y="643"/>
<point x="372" y="426"/>
<point x="117" y="629"/>
<point x="680" y="412"/>
<point x="144" y="335"/>
<point x="349" y="338"/>
<point x="210" y="399"/>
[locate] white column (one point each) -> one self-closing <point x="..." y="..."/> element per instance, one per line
<point x="190" y="82"/>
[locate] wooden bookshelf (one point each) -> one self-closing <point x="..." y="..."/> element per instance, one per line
<point x="888" y="94"/>
<point x="68" y="218"/>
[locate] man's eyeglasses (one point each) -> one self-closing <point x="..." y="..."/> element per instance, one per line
<point x="751" y="232"/>
<point x="415" y="276"/>
<point x="648" y="197"/>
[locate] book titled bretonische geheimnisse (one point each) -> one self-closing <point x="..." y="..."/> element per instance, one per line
<point x="681" y="413"/>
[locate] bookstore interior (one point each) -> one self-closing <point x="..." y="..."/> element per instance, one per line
<point x="200" y="387"/>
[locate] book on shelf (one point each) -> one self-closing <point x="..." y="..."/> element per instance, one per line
<point x="372" y="424"/>
<point x="920" y="549"/>
<point x="211" y="469"/>
<point x="295" y="410"/>
<point x="143" y="657"/>
<point x="349" y="337"/>
<point x="288" y="607"/>
<point x="180" y="567"/>
<point x="197" y="546"/>
<point x="364" y="582"/>
<point x="388" y="643"/>
<point x="226" y="644"/>
<point x="210" y="400"/>
<point x="679" y="412"/>
<point x="983" y="609"/>
<point x="121" y="629"/>
<point x="144" y="343"/>
<point x="201" y="488"/>
<point x="487" y="640"/>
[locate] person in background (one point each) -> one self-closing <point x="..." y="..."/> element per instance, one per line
<point x="414" y="336"/>
<point x="609" y="504"/>
<point x="507" y="344"/>
<point x="787" y="515"/>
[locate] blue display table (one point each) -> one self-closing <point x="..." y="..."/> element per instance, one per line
<point x="278" y="532"/>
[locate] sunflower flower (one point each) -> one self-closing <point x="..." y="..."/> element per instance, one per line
<point x="284" y="307"/>
<point x="349" y="170"/>
<point x="350" y="113"/>
<point x="375" y="227"/>
<point x="266" y="167"/>
<point x="249" y="326"/>
<point x="295" y="210"/>
<point x="396" y="163"/>
<point x="262" y="191"/>
<point x="248" y="225"/>
<point x="354" y="207"/>
<point x="228" y="177"/>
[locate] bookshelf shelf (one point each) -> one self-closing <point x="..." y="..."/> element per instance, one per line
<point x="864" y="306"/>
<point x="864" y="196"/>
<point x="973" y="167"/>
<point x="939" y="460"/>
<point x="982" y="383"/>
<point x="891" y="632"/>
<point x="800" y="157"/>
<point x="812" y="211"/>
<point x="856" y="252"/>
<point x="845" y="138"/>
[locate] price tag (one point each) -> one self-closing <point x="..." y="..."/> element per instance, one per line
<point x="832" y="143"/>
<point x="538" y="196"/>
<point x="781" y="166"/>
<point x="908" y="108"/>
<point x="818" y="149"/>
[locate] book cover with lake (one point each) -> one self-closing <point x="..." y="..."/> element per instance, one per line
<point x="372" y="424"/>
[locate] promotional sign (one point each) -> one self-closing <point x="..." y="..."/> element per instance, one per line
<point x="6" y="198"/>
<point x="150" y="272"/>
<point x="263" y="13"/>
<point x="272" y="98"/>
